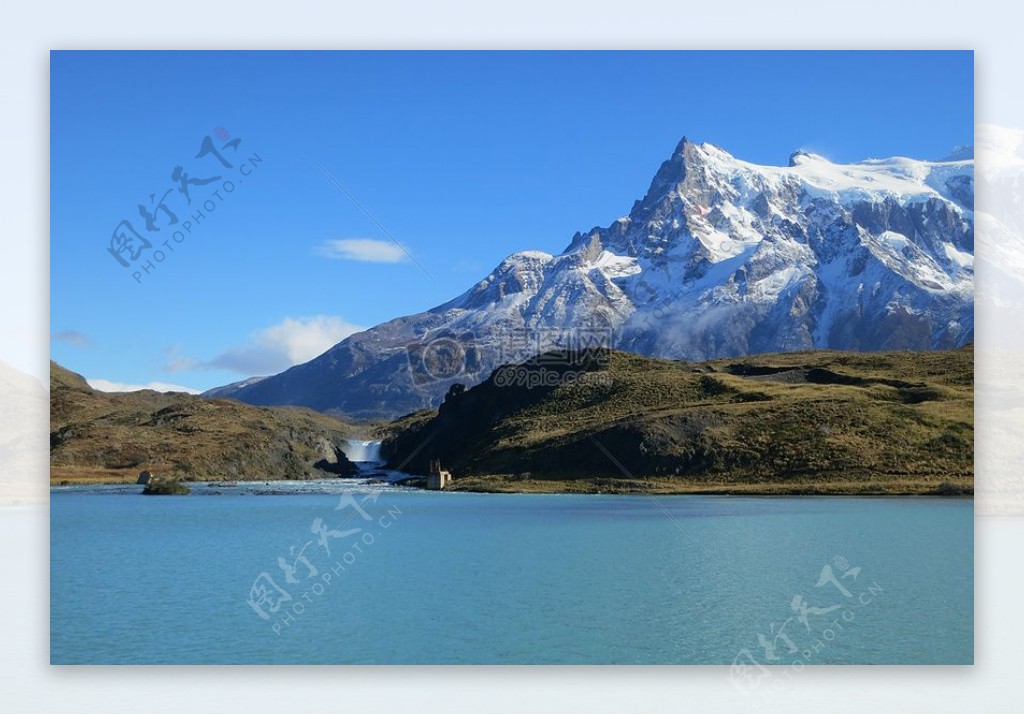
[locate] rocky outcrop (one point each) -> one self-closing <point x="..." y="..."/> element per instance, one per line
<point x="166" y="486"/>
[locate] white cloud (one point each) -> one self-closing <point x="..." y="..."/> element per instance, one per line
<point x="362" y="249"/>
<point x="178" y="362"/>
<point x="274" y="349"/>
<point x="109" y="386"/>
<point x="72" y="337"/>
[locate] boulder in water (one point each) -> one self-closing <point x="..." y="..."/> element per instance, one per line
<point x="165" y="485"/>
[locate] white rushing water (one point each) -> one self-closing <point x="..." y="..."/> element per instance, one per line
<point x="363" y="450"/>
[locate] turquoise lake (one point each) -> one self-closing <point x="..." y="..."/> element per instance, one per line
<point x="242" y="574"/>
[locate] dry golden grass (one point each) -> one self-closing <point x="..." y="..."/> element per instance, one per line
<point x="111" y="437"/>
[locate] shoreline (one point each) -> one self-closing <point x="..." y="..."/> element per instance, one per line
<point x="655" y="487"/>
<point x="505" y="484"/>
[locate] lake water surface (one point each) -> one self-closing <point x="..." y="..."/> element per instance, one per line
<point x="243" y="575"/>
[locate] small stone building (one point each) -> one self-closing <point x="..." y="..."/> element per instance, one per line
<point x="438" y="478"/>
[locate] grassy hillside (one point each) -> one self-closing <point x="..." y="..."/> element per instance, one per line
<point x="809" y="422"/>
<point x="98" y="436"/>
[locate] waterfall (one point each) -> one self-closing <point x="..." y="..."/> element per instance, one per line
<point x="363" y="450"/>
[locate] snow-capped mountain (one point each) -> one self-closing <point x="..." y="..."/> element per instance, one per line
<point x="721" y="257"/>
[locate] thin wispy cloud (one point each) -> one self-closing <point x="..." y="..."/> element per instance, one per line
<point x="337" y="183"/>
<point x="72" y="337"/>
<point x="177" y="362"/>
<point x="273" y="349"/>
<point x="362" y="249"/>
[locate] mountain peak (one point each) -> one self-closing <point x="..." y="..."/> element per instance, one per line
<point x="964" y="152"/>
<point x="671" y="173"/>
<point x="681" y="146"/>
<point x="801" y="156"/>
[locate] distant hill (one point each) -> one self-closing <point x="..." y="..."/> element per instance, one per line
<point x="803" y="422"/>
<point x="226" y="390"/>
<point x="99" y="436"/>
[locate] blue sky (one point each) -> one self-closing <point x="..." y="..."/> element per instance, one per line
<point x="462" y="157"/>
